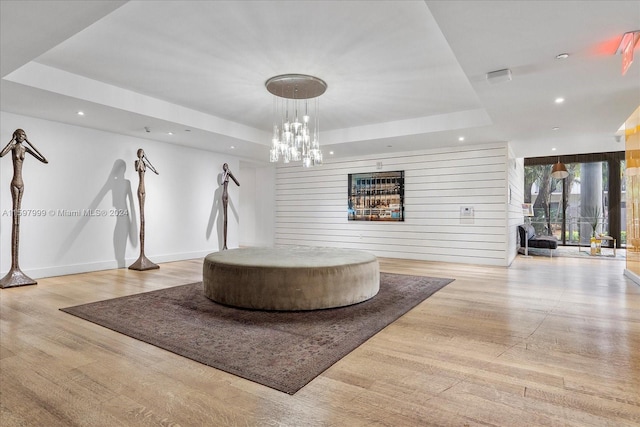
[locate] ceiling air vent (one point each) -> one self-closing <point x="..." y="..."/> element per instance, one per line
<point x="499" y="76"/>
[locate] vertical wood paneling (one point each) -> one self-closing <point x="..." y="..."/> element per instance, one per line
<point x="311" y="206"/>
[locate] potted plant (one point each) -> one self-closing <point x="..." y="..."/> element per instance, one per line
<point x="593" y="219"/>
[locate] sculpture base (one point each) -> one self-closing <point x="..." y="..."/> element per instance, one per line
<point x="143" y="264"/>
<point x="15" y="277"/>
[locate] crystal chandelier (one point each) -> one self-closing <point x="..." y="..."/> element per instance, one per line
<point x="295" y="134"/>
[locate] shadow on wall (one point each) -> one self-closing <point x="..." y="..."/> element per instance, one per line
<point x="217" y="213"/>
<point x="123" y="209"/>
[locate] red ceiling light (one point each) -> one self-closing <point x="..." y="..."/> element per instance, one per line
<point x="626" y="47"/>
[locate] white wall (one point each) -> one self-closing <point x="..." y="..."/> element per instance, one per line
<point x="248" y="205"/>
<point x="311" y="206"/>
<point x="287" y="205"/>
<point x="90" y="169"/>
<point x="515" y="198"/>
<point x="257" y="203"/>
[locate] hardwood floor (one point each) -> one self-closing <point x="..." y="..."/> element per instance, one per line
<point x="544" y="342"/>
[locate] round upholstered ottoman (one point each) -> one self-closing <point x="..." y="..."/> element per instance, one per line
<point x="294" y="278"/>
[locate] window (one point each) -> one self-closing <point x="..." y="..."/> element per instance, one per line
<point x="587" y="202"/>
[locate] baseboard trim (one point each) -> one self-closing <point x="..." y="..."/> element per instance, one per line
<point x="633" y="276"/>
<point x="64" y="270"/>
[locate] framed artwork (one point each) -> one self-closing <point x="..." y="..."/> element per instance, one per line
<point x="376" y="196"/>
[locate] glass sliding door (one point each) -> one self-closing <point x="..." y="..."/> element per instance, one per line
<point x="545" y="194"/>
<point x="587" y="202"/>
<point x="576" y="208"/>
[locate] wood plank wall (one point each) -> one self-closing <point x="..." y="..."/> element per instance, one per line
<point x="311" y="206"/>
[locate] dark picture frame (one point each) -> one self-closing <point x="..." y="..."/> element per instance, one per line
<point x="376" y="196"/>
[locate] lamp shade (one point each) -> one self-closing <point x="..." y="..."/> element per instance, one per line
<point x="559" y="171"/>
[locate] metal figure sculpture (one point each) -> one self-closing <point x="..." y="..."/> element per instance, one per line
<point x="15" y="276"/>
<point x="225" y="197"/>
<point x="141" y="165"/>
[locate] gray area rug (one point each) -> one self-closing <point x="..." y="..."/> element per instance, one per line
<point x="281" y="350"/>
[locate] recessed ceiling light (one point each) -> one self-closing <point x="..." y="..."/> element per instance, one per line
<point x="461" y="138"/>
<point x="169" y="133"/>
<point x="80" y="113"/>
<point x="553" y="149"/>
<point x="562" y="56"/>
<point x="331" y="152"/>
<point x="559" y="100"/>
<point x="555" y="128"/>
<point x="233" y="147"/>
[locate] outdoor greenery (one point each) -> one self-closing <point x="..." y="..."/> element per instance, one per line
<point x="549" y="216"/>
<point x="575" y="236"/>
<point x="541" y="176"/>
<point x="593" y="218"/>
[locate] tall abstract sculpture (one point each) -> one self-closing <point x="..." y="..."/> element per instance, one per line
<point x="225" y="197"/>
<point x="15" y="276"/>
<point x="142" y="263"/>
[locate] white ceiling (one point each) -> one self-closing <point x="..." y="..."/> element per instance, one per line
<point x="401" y="75"/>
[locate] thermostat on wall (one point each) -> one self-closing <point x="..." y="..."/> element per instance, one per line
<point x="466" y="215"/>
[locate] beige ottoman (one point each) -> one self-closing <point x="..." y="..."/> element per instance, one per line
<point x="295" y="278"/>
